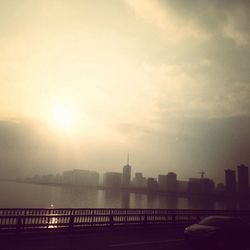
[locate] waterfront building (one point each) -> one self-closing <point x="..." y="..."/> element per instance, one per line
<point x="126" y="175"/>
<point x="220" y="188"/>
<point x="162" y="182"/>
<point x="112" y="179"/>
<point x="230" y="181"/>
<point x="152" y="184"/>
<point x="182" y="186"/>
<point x="243" y="179"/>
<point x="200" y="186"/>
<point x="171" y="180"/>
<point x="80" y="177"/>
<point x="138" y="180"/>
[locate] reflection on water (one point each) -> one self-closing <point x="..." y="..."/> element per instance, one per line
<point x="52" y="222"/>
<point x="201" y="202"/>
<point x="112" y="198"/>
<point x="29" y="195"/>
<point x="125" y="200"/>
<point x="76" y="197"/>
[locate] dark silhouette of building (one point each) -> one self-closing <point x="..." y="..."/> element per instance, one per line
<point x="200" y="186"/>
<point x="112" y="179"/>
<point x="193" y="185"/>
<point x="220" y="188"/>
<point x="171" y="182"/>
<point x="80" y="177"/>
<point x="230" y="181"/>
<point x="152" y="184"/>
<point x="139" y="180"/>
<point x="182" y="186"/>
<point x="243" y="179"/>
<point x="162" y="182"/>
<point x="126" y="175"/>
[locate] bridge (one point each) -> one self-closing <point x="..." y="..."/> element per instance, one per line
<point x="37" y="219"/>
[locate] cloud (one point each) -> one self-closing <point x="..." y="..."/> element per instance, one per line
<point x="236" y="27"/>
<point x="174" y="27"/>
<point x="200" y="20"/>
<point x="186" y="90"/>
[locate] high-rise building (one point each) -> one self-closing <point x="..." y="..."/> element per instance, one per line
<point x="171" y="182"/>
<point x="230" y="181"/>
<point x="162" y="182"/>
<point x="126" y="175"/>
<point x="243" y="179"/>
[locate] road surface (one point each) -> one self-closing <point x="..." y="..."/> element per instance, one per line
<point x="132" y="239"/>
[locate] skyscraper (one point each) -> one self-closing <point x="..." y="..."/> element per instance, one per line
<point x="126" y="174"/>
<point x="230" y="181"/>
<point x="243" y="179"/>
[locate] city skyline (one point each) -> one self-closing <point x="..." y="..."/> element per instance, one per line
<point x="83" y="81"/>
<point x="233" y="184"/>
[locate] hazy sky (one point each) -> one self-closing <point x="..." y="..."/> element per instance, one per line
<point x="84" y="82"/>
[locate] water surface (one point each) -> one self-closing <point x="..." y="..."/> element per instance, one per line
<point x="14" y="195"/>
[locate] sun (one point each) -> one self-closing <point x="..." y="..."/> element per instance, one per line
<point x="62" y="118"/>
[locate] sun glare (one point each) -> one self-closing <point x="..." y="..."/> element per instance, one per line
<point x="62" y="118"/>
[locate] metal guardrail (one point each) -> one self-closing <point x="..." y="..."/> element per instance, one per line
<point x="38" y="219"/>
<point x="108" y="211"/>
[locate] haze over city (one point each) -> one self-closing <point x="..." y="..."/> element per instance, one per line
<point x="85" y="82"/>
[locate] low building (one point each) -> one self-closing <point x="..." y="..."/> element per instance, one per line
<point x="200" y="186"/>
<point x="182" y="186"/>
<point x="152" y="184"/>
<point x="80" y="177"/>
<point x="112" y="179"/>
<point x="139" y="180"/>
<point x="162" y="182"/>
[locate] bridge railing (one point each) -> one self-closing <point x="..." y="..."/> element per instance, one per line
<point x="75" y="221"/>
<point x="108" y="211"/>
<point x="128" y="218"/>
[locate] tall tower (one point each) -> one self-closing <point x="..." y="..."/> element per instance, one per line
<point x="243" y="179"/>
<point x="230" y="181"/>
<point x="126" y="174"/>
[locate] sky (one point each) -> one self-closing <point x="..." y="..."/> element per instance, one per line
<point x="84" y="82"/>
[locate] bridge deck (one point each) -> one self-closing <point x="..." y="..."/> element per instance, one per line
<point x="134" y="239"/>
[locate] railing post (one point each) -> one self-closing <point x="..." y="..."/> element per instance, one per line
<point x="173" y="219"/>
<point x="19" y="223"/>
<point x="92" y="217"/>
<point x="145" y="220"/>
<point x="111" y="221"/>
<point x="71" y="221"/>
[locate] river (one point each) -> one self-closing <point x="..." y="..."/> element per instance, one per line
<point x="22" y="195"/>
